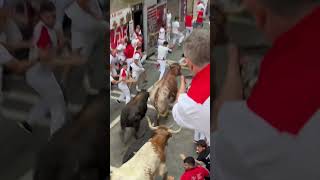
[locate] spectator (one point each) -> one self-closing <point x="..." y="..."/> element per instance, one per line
<point x="203" y="151"/>
<point x="192" y="108"/>
<point x="271" y="135"/>
<point x="129" y="52"/>
<point x="192" y="171"/>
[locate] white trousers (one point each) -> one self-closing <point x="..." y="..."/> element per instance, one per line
<point x="199" y="136"/>
<point x="178" y="37"/>
<point x="144" y="57"/>
<point x="129" y="62"/>
<point x="51" y="100"/>
<point x="162" y="68"/>
<point x="161" y="41"/>
<point x="188" y="31"/>
<point x="125" y="92"/>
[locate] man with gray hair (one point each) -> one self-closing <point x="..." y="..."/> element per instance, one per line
<point x="192" y="108"/>
<point x="272" y="134"/>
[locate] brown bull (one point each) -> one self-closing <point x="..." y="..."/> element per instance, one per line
<point x="164" y="91"/>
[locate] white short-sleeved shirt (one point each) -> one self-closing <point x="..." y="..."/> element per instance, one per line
<point x="123" y="75"/>
<point x="175" y="27"/>
<point x="113" y="59"/>
<point x="162" y="33"/>
<point x="121" y="49"/>
<point x="169" y="16"/>
<point x="5" y="56"/>
<point x="163" y="52"/>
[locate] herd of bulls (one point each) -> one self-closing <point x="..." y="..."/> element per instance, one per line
<point x="78" y="150"/>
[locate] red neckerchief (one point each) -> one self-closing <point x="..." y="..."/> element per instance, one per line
<point x="287" y="93"/>
<point x="200" y="86"/>
<point x="124" y="73"/>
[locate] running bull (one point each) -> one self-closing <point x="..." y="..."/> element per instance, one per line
<point x="165" y="91"/>
<point x="133" y="113"/>
<point x="150" y="160"/>
<point x="77" y="151"/>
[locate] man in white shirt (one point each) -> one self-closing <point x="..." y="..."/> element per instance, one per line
<point x="163" y="51"/>
<point x="192" y="108"/>
<point x="123" y="86"/>
<point x="114" y="62"/>
<point x="162" y="35"/>
<point x="86" y="27"/>
<point x="120" y="48"/>
<point x="177" y="35"/>
<point x="169" y="16"/>
<point x="137" y="69"/>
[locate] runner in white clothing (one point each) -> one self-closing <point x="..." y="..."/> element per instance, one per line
<point x="169" y="25"/>
<point x="40" y="76"/>
<point x="177" y="35"/>
<point x="123" y="86"/>
<point x="114" y="60"/>
<point x="162" y="35"/>
<point x="163" y="51"/>
<point x="86" y="28"/>
<point x="137" y="69"/>
<point x="120" y="48"/>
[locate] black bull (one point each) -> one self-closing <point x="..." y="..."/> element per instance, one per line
<point x="133" y="113"/>
<point x="78" y="151"/>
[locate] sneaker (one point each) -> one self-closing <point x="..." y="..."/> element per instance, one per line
<point x="118" y="101"/>
<point x="25" y="126"/>
<point x="139" y="90"/>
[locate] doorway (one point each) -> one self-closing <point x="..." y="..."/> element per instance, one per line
<point x="138" y="20"/>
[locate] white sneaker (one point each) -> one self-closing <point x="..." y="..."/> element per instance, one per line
<point x="137" y="88"/>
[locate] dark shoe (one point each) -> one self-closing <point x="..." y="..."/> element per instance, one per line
<point x="118" y="101"/>
<point x="25" y="126"/>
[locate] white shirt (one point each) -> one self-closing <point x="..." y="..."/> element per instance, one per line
<point x="163" y="52"/>
<point x="5" y="56"/>
<point x="113" y="59"/>
<point x="121" y="49"/>
<point x="136" y="69"/>
<point x="122" y="84"/>
<point x="169" y="19"/>
<point x="175" y="27"/>
<point x="162" y="33"/>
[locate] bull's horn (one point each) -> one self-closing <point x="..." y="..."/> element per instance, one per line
<point x="150" y="125"/>
<point x="174" y="132"/>
<point x="171" y="126"/>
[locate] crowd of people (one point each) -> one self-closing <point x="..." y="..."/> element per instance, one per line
<point x="192" y="106"/>
<point x="40" y="37"/>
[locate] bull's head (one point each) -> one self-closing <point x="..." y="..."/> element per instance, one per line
<point x="162" y="128"/>
<point x="175" y="68"/>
